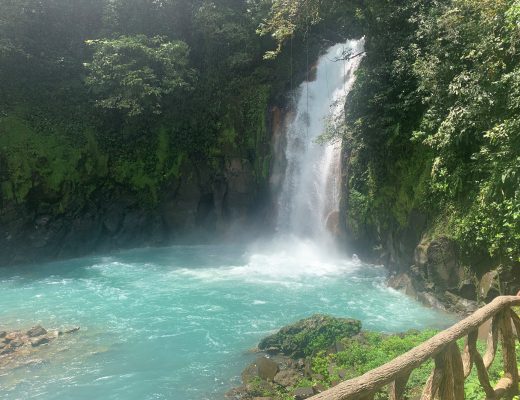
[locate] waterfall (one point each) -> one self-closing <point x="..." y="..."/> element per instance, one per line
<point x="309" y="198"/>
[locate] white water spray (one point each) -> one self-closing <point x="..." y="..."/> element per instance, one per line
<point x="310" y="192"/>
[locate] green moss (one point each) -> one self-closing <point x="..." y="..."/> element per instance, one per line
<point x="311" y="335"/>
<point x="46" y="159"/>
<point x="228" y="137"/>
<point x="266" y="169"/>
<point x="145" y="170"/>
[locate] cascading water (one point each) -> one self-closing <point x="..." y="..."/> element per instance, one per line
<point x="310" y="192"/>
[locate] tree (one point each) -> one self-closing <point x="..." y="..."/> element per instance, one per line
<point x="289" y="18"/>
<point x="134" y="73"/>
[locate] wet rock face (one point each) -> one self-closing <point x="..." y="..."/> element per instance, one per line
<point x="299" y="339"/>
<point x="437" y="277"/>
<point x="207" y="199"/>
<point x="403" y="283"/>
<point x="489" y="286"/>
<point x="203" y="201"/>
<point x="443" y="263"/>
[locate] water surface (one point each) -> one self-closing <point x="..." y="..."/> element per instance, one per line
<point x="177" y="323"/>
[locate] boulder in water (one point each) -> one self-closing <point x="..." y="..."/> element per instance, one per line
<point x="39" y="341"/>
<point x="72" y="330"/>
<point x="37" y="330"/>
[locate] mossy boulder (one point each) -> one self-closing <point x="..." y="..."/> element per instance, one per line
<point x="310" y="335"/>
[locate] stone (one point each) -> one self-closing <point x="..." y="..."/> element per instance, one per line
<point x="259" y="389"/>
<point x="317" y="377"/>
<point x="404" y="284"/>
<point x="294" y="340"/>
<point x="11" y="336"/>
<point x="340" y="346"/>
<point x="429" y="300"/>
<point x="266" y="368"/>
<point x="272" y="350"/>
<point x="250" y="373"/>
<point x="37" y="330"/>
<point x="467" y="289"/>
<point x="6" y="350"/>
<point x="342" y="373"/>
<point x="421" y="256"/>
<point x="443" y="265"/>
<point x="15" y="343"/>
<point x="318" y="388"/>
<point x="307" y="368"/>
<point x="459" y="305"/>
<point x="237" y="393"/>
<point x="303" y="393"/>
<point x="489" y="286"/>
<point x="3" y="334"/>
<point x="72" y="330"/>
<point x="38" y="341"/>
<point x="287" y="377"/>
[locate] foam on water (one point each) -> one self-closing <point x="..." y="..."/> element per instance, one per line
<point x="301" y="259"/>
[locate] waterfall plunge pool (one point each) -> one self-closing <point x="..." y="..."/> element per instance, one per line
<point x="177" y="323"/>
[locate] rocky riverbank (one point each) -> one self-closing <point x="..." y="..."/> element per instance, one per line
<point x="317" y="353"/>
<point x="18" y="343"/>
<point x="435" y="275"/>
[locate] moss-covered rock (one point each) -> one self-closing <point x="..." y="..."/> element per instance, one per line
<point x="309" y="335"/>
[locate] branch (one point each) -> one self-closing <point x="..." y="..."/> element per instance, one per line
<point x="348" y="57"/>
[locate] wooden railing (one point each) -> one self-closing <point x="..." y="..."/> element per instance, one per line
<point x="452" y="367"/>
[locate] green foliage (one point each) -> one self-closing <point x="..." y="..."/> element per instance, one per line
<point x="376" y="349"/>
<point x="432" y="123"/>
<point x="316" y="340"/>
<point x="257" y="387"/>
<point x="368" y="351"/>
<point x="311" y="335"/>
<point x="147" y="169"/>
<point x="472" y="119"/>
<point x="286" y="18"/>
<point x="45" y="164"/>
<point x="472" y="387"/>
<point x="134" y="73"/>
<point x="289" y="19"/>
<point x="162" y="88"/>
